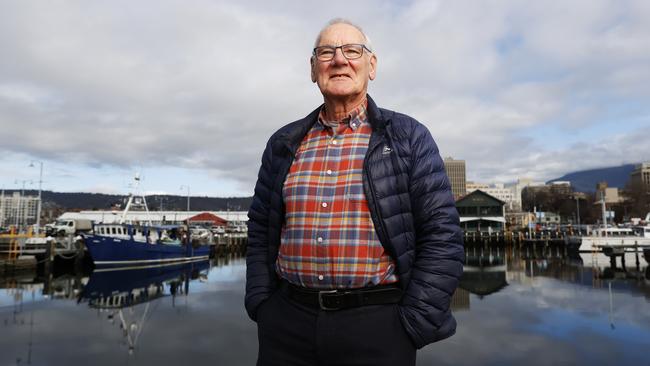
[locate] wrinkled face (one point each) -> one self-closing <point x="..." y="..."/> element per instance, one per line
<point x="340" y="78"/>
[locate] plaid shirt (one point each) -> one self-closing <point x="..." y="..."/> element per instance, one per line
<point x="328" y="239"/>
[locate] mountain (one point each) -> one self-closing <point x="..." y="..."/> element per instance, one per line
<point x="586" y="180"/>
<point x="100" y="201"/>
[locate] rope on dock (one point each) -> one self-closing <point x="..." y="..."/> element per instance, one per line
<point x="66" y="257"/>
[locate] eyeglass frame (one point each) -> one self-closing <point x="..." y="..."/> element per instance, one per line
<point x="363" y="46"/>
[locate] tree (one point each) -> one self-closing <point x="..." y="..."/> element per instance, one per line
<point x="636" y="201"/>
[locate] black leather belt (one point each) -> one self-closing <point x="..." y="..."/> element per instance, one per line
<point x="342" y="299"/>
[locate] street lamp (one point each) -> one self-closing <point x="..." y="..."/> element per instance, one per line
<point x="188" y="195"/>
<point x="40" y="186"/>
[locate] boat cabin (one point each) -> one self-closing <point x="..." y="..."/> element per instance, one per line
<point x="168" y="234"/>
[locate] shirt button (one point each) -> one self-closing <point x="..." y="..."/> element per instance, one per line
<point x="324" y="204"/>
<point x="320" y="277"/>
<point x="333" y="142"/>
<point x="329" y="172"/>
<point x="320" y="240"/>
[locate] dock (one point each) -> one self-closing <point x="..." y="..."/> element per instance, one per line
<point x="230" y="243"/>
<point x="619" y="251"/>
<point x="17" y="265"/>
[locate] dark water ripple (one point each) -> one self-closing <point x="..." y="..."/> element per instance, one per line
<point x="512" y="308"/>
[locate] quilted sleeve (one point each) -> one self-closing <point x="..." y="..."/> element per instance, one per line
<point x="439" y="252"/>
<point x="258" y="277"/>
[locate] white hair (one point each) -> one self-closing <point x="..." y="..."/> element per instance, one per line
<point x="334" y="21"/>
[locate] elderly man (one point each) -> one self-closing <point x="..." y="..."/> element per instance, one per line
<point x="354" y="245"/>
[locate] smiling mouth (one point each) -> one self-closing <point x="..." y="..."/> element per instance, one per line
<point x="339" y="76"/>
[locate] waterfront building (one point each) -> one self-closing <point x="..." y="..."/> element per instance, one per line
<point x="519" y="220"/>
<point x="556" y="189"/>
<point x="457" y="176"/>
<point x="473" y="186"/>
<point x="480" y="211"/>
<point x="208" y="219"/>
<point x="641" y="174"/>
<point x="17" y="209"/>
<point x="500" y="191"/>
<point x="548" y="219"/>
<point x="235" y="220"/>
<point x="612" y="196"/>
<point x="518" y="188"/>
<point x="560" y="187"/>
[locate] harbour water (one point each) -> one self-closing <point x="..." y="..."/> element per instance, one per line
<point x="514" y="306"/>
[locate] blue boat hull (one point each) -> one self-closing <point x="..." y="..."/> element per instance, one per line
<point x="109" y="251"/>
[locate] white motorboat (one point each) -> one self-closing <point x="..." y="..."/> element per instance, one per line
<point x="620" y="239"/>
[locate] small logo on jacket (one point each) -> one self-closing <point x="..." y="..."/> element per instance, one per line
<point x="387" y="150"/>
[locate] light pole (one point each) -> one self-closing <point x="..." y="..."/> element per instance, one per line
<point x="40" y="186"/>
<point x="188" y="196"/>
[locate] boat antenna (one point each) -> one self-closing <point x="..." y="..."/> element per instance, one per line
<point x="135" y="193"/>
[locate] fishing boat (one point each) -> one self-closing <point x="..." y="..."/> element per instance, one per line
<point x="610" y="240"/>
<point x="135" y="244"/>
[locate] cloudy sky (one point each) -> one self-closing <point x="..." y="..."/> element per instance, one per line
<point x="187" y="92"/>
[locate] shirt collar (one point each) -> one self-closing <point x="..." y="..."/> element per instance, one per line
<point x="354" y="119"/>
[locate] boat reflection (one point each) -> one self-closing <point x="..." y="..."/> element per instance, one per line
<point x="114" y="291"/>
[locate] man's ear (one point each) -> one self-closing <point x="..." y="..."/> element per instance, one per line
<point x="372" y="72"/>
<point x="312" y="64"/>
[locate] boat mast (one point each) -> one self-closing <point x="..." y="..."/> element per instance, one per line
<point x="602" y="186"/>
<point x="602" y="201"/>
<point x="134" y="193"/>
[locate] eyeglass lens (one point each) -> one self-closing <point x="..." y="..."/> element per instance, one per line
<point x="350" y="51"/>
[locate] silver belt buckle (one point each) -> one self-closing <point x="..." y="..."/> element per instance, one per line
<point x="320" y="299"/>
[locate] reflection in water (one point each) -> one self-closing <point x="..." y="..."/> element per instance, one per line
<point x="118" y="292"/>
<point x="489" y="269"/>
<point x="484" y="272"/>
<point x="537" y="298"/>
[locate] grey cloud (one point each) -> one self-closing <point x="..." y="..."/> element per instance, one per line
<point x="202" y="85"/>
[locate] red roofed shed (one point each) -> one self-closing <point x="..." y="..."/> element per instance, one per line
<point x="208" y="219"/>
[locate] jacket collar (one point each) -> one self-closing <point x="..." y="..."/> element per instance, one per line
<point x="293" y="137"/>
<point x="375" y="117"/>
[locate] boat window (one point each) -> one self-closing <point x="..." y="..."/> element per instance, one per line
<point x="113" y="230"/>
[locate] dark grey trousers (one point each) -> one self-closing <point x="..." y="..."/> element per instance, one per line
<point x="291" y="333"/>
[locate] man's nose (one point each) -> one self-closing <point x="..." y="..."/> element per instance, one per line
<point x="338" y="57"/>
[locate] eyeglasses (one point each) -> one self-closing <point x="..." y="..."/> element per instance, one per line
<point x="349" y="51"/>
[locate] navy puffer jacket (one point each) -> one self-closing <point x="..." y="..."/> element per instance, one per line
<point x="412" y="208"/>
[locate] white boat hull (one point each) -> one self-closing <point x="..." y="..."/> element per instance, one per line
<point x="597" y="243"/>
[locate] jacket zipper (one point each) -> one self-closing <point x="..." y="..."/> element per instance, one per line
<point x="372" y="197"/>
<point x="284" y="172"/>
